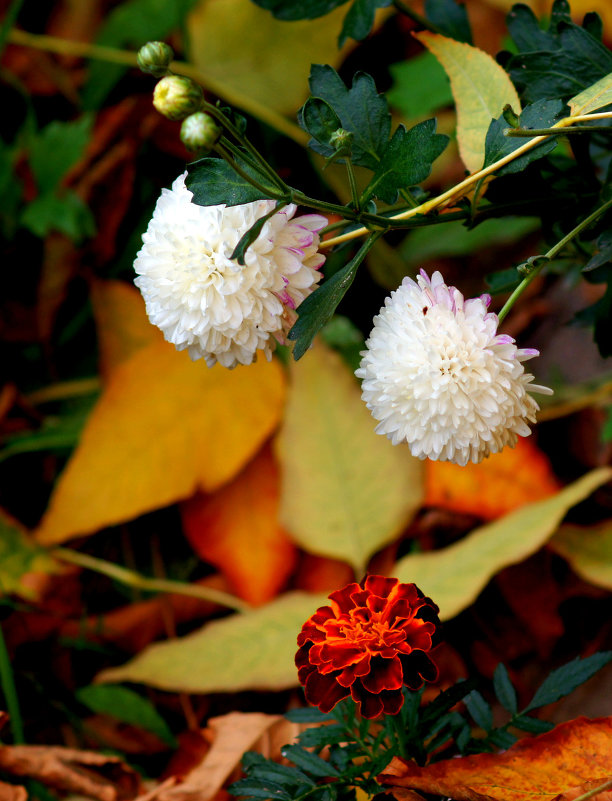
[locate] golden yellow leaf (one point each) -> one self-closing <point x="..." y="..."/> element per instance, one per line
<point x="593" y="97"/>
<point x="346" y="490"/>
<point x="480" y="88"/>
<point x="164" y="427"/>
<point x="588" y="550"/>
<point x="454" y="576"/>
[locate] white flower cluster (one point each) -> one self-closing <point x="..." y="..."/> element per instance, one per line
<point x="207" y="303"/>
<point x="437" y="375"/>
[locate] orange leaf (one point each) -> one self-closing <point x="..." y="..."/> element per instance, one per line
<point x="542" y="767"/>
<point x="494" y="487"/>
<point x="164" y="427"/>
<point x="237" y="530"/>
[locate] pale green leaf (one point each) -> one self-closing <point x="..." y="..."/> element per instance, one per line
<point x="592" y="98"/>
<point x="251" y="650"/>
<point x="346" y="490"/>
<point x="588" y="550"/>
<point x="480" y="88"/>
<point x="454" y="576"/>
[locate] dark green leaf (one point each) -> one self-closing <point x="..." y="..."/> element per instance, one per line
<point x="524" y="28"/>
<point x="533" y="725"/>
<point x="319" y="119"/>
<point x="450" y="18"/>
<point x="599" y="315"/>
<point x="318" y="308"/>
<point x="56" y="148"/>
<point x="420" y="86"/>
<point x="406" y="160"/>
<point x="479" y="710"/>
<point x="445" y="701"/>
<point x="503" y="280"/>
<point x="308" y="715"/>
<point x="505" y="692"/>
<point x="359" y="19"/>
<point x="213" y="182"/>
<point x="267" y="770"/>
<point x="63" y="212"/>
<point x="252" y="788"/>
<point x="247" y="239"/>
<point x="603" y="253"/>
<point x="319" y="736"/>
<point x="346" y="338"/>
<point x="502" y="739"/>
<point x="289" y="10"/>
<point x="308" y="761"/>
<point x="361" y="110"/>
<point x="565" y="679"/>
<point x="127" y="706"/>
<point x="541" y="114"/>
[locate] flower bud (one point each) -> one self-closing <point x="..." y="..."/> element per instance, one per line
<point x="341" y="140"/>
<point x="155" y="58"/>
<point x="199" y="131"/>
<point x="176" y="97"/>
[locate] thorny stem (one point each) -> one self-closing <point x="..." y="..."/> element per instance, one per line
<point x="10" y="693"/>
<point x="551" y="255"/>
<point x="133" y="579"/>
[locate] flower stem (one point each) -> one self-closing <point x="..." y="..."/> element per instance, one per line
<point x="551" y="254"/>
<point x="7" y="681"/>
<point x="266" y="191"/>
<point x="133" y="579"/>
<point x="8" y="22"/>
<point x="352" y="183"/>
<point x="555" y="132"/>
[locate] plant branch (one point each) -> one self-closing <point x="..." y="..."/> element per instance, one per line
<point x="405" y="9"/>
<point x="525" y="132"/>
<point x="136" y="580"/>
<point x="267" y="191"/>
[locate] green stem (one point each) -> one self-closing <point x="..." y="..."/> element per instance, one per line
<point x="405" y="9"/>
<point x="595" y="791"/>
<point x="10" y="693"/>
<point x="8" y="22"/>
<point x="556" y="132"/>
<point x="133" y="579"/>
<point x="551" y="254"/>
<point x="407" y="195"/>
<point x="400" y="734"/>
<point x="322" y="205"/>
<point x="267" y="191"/>
<point x="352" y="183"/>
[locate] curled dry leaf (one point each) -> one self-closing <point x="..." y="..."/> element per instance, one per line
<point x="95" y="775"/>
<point x="547" y="767"/>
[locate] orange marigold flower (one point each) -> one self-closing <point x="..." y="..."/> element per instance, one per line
<point x="369" y="642"/>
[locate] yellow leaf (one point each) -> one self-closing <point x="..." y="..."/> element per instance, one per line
<point x="480" y="88"/>
<point x="20" y="560"/>
<point x="588" y="550"/>
<point x="164" y="427"/>
<point x="454" y="576"/>
<point x="252" y="650"/>
<point x="593" y="97"/>
<point x="346" y="490"/>
<point x="241" y="46"/>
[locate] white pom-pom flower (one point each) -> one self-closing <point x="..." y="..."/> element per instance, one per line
<point x="207" y="303"/>
<point x="438" y="375"/>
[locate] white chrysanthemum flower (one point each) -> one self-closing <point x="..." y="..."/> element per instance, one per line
<point x="207" y="303"/>
<point x="438" y="375"/>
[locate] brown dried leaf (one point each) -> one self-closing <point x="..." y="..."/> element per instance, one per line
<point x="12" y="792"/>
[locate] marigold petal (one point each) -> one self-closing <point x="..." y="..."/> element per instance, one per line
<point x="392" y="702"/>
<point x="323" y="691"/>
<point x="342" y="599"/>
<point x="370" y="705"/>
<point x="341" y="654"/>
<point x="386" y="674"/>
<point x="418" y="667"/>
<point x="380" y="585"/>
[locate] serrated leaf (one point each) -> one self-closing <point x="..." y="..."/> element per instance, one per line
<point x="56" y="148"/>
<point x="541" y="114"/>
<point x="308" y="761"/>
<point x="252" y="650"/>
<point x="480" y="87"/>
<point x="360" y="19"/>
<point x="479" y="709"/>
<point x="533" y="725"/>
<point x="319" y="119"/>
<point x="361" y="110"/>
<point x="406" y="160"/>
<point x="564" y="680"/>
<point x="344" y="509"/>
<point x="595" y="97"/>
<point x="213" y="181"/>
<point x="449" y="17"/>
<point x="504" y="691"/>
<point x="58" y="211"/>
<point x="128" y="707"/>
<point x="420" y="86"/>
<point x="455" y="575"/>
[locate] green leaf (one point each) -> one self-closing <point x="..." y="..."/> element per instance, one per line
<point x="450" y="18"/>
<point x="420" y="86"/>
<point x="504" y="691"/>
<point x="455" y="575"/>
<point x="503" y="280"/>
<point x="63" y="212"/>
<point x="479" y="710"/>
<point x="564" y="680"/>
<point x="255" y="788"/>
<point x="595" y="97"/>
<point x="599" y="315"/>
<point x="360" y="19"/>
<point x="19" y="556"/>
<point x="308" y="715"/>
<point x="541" y="114"/>
<point x="326" y="447"/>
<point x="317" y="309"/>
<point x="406" y="160"/>
<point x="308" y="761"/>
<point x="213" y="182"/>
<point x="247" y="239"/>
<point x="252" y="650"/>
<point x="128" y="707"/>
<point x="341" y="335"/>
<point x="603" y="252"/>
<point x="588" y="550"/>
<point x="319" y="736"/>
<point x="290" y="10"/>
<point x="319" y="119"/>
<point x="502" y="739"/>
<point x="258" y="767"/>
<point x="445" y="701"/>
<point x="533" y="725"/>
<point x="56" y="148"/>
<point x="361" y="110"/>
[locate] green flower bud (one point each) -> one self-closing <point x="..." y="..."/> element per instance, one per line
<point x="341" y="140"/>
<point x="176" y="97"/>
<point x="200" y="131"/>
<point x="155" y="58"/>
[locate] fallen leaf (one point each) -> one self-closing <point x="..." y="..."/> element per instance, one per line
<point x="594" y="97"/>
<point x="454" y="576"/>
<point x="12" y="792"/>
<point x="542" y="767"/>
<point x="494" y="487"/>
<point x="250" y="650"/>
<point x="346" y="492"/>
<point x="588" y="787"/>
<point x="164" y="427"/>
<point x="95" y="775"/>
<point x="588" y="550"/>
<point x="480" y="87"/>
<point x="237" y="530"/>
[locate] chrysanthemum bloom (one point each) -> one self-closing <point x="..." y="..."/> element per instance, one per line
<point x="207" y="303"/>
<point x="372" y="640"/>
<point x="438" y="375"/>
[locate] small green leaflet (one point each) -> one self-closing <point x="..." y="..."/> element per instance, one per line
<point x="291" y="10"/>
<point x="504" y="691"/>
<point x="564" y="680"/>
<point x="420" y="86"/>
<point x="213" y="181"/>
<point x="406" y="160"/>
<point x="450" y="18"/>
<point x="320" y="120"/>
<point x="360" y="19"/>
<point x="479" y="710"/>
<point x="56" y="148"/>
